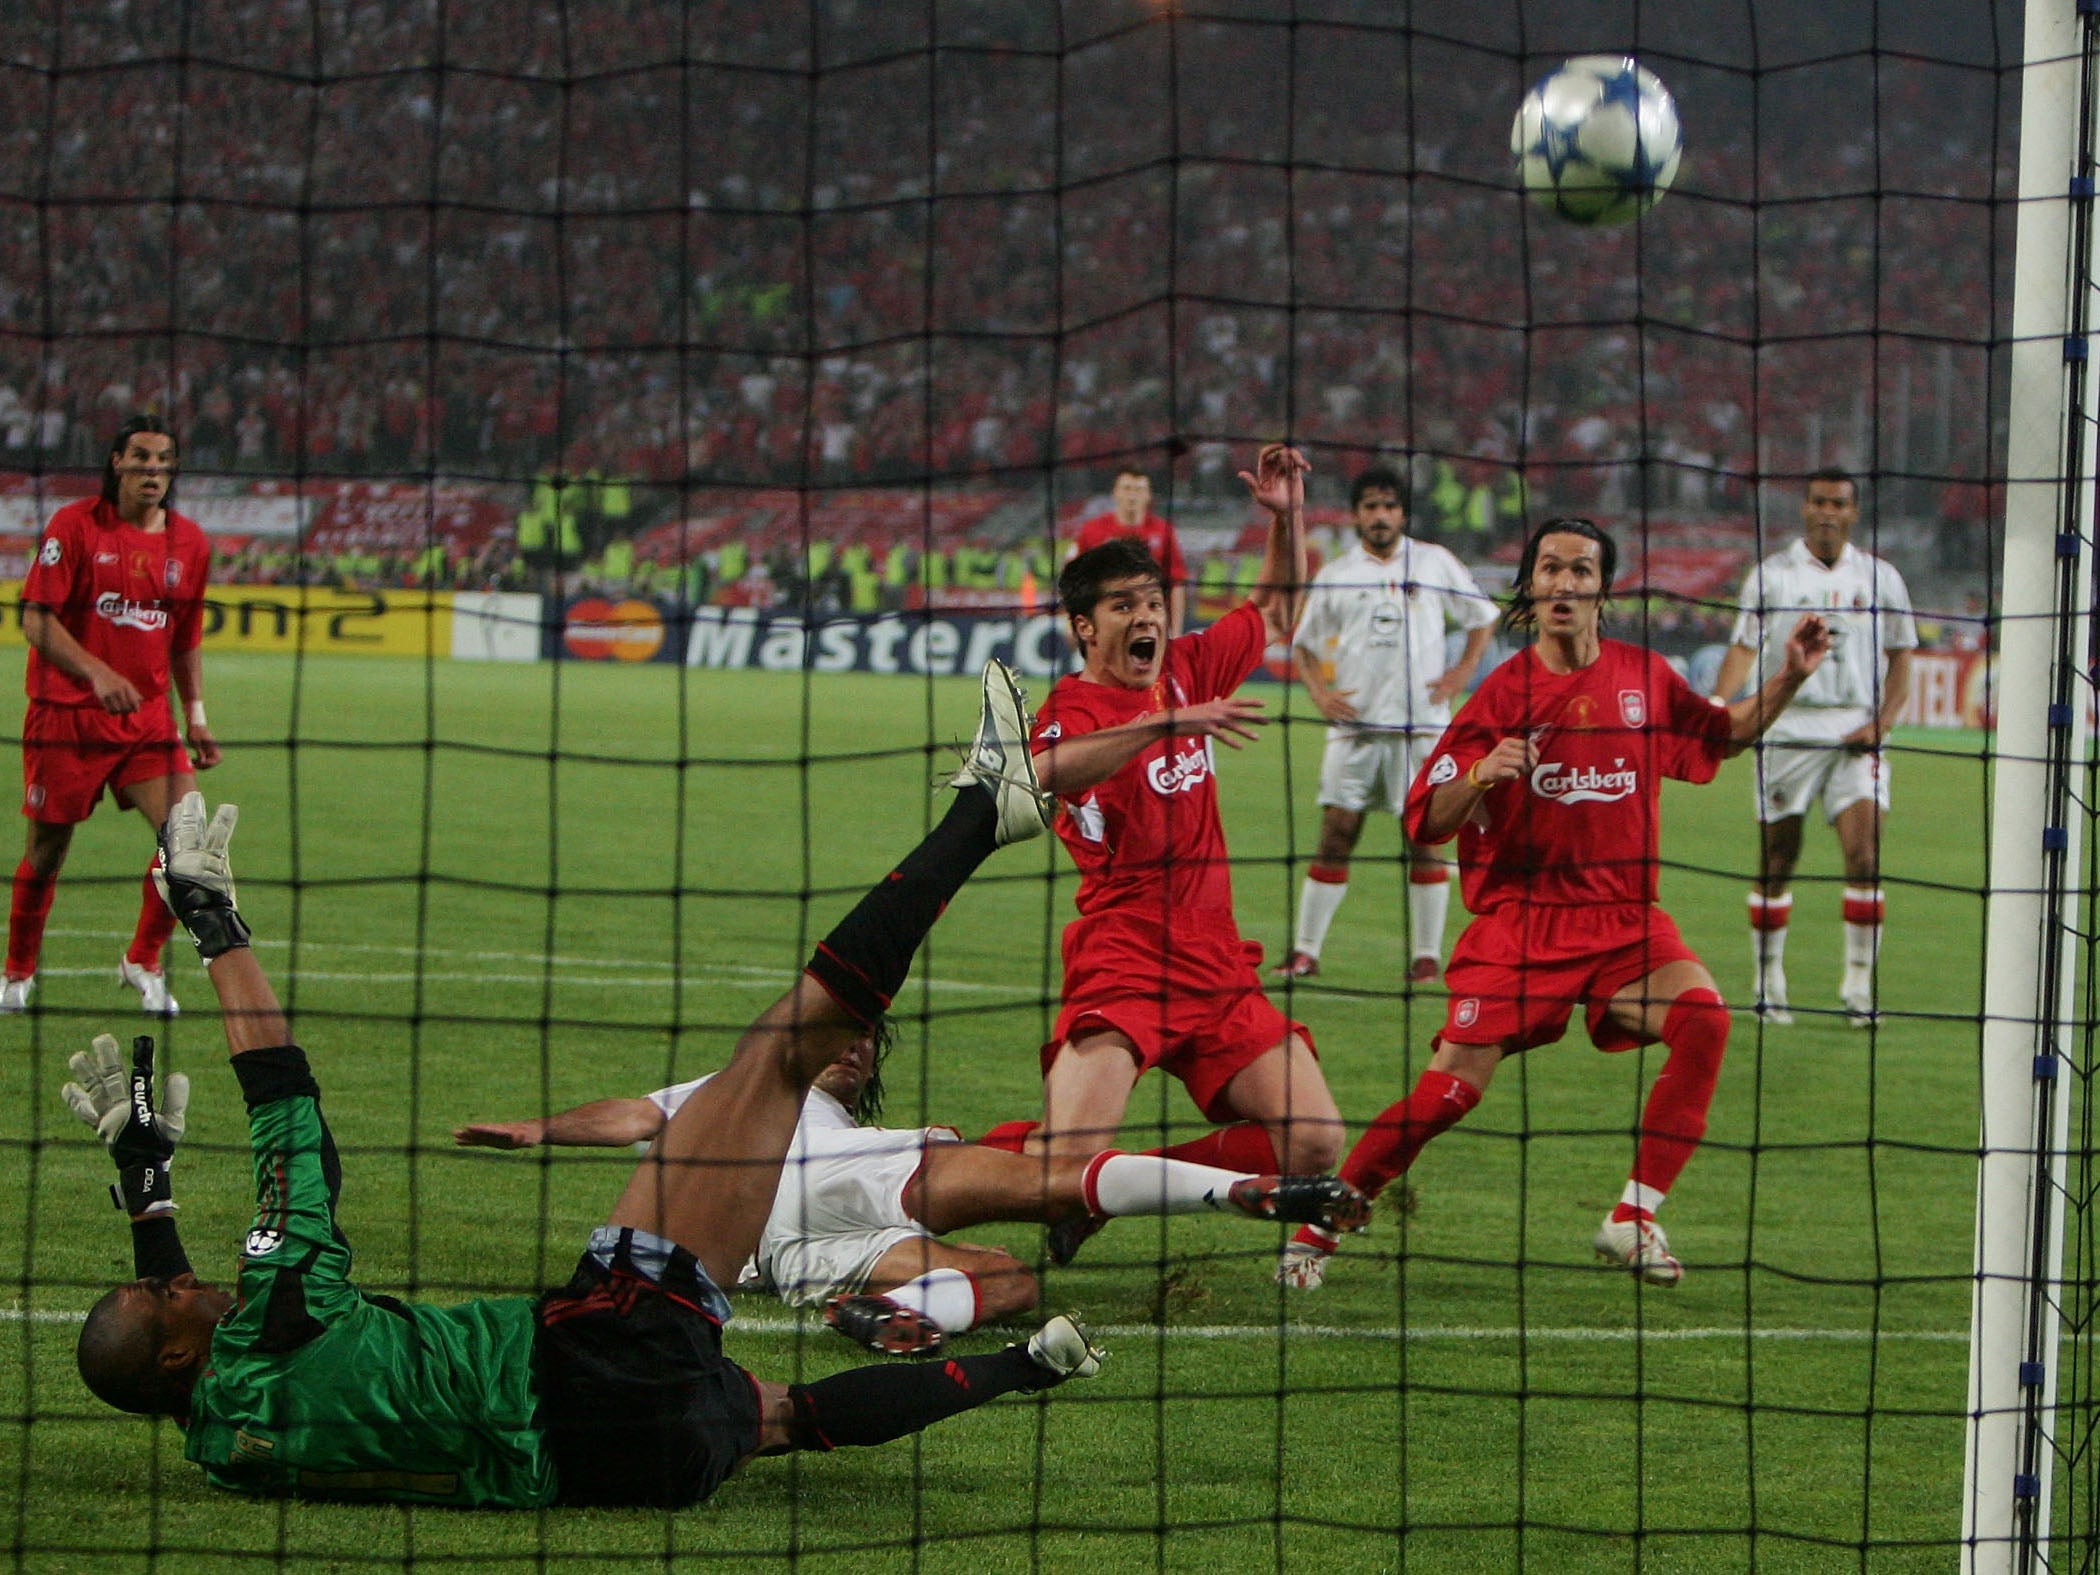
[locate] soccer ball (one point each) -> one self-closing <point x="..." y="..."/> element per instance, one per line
<point x="1598" y="140"/>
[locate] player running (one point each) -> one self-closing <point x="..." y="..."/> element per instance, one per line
<point x="855" y="1223"/>
<point x="610" y="1390"/>
<point x="1155" y="970"/>
<point x="113" y="609"/>
<point x="1551" y="778"/>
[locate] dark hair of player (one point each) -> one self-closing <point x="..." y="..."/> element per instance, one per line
<point x="119" y="1358"/>
<point x="1086" y="578"/>
<point x="1835" y="477"/>
<point x="1381" y="478"/>
<point x="868" y="1107"/>
<point x="1520" y="614"/>
<point x="132" y="427"/>
<point x="1132" y="470"/>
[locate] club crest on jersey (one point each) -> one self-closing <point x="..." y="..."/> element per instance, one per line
<point x="128" y="614"/>
<point x="1181" y="773"/>
<point x="1466" y="1013"/>
<point x="1633" y="708"/>
<point x="1443" y="771"/>
<point x="1566" y="784"/>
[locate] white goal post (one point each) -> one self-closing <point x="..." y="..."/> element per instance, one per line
<point x="2041" y="742"/>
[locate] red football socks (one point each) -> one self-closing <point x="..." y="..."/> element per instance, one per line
<point x="1674" y="1121"/>
<point x="1245" y="1146"/>
<point x="155" y="925"/>
<point x="1439" y="1102"/>
<point x="26" y="914"/>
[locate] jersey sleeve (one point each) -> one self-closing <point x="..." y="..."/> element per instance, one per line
<point x="1472" y="733"/>
<point x="1314" y="618"/>
<point x="295" y="1261"/>
<point x="1173" y="562"/>
<point x="186" y="620"/>
<point x="60" y="562"/>
<point x="1471" y="607"/>
<point x="1749" y="630"/>
<point x="1217" y="660"/>
<point x="669" y="1099"/>
<point x="1697" y="732"/>
<point x="1899" y="627"/>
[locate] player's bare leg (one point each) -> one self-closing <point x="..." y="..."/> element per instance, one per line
<point x="1678" y="1005"/>
<point x="1446" y="1092"/>
<point x="140" y="968"/>
<point x="1326" y="884"/>
<point x="36" y="882"/>
<point x="1085" y="1093"/>
<point x="1284" y="1089"/>
<point x="1858" y="826"/>
<point x="1771" y="907"/>
<point x="923" y="1290"/>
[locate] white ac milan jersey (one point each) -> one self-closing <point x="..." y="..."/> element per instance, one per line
<point x="1376" y="627"/>
<point x="1863" y="600"/>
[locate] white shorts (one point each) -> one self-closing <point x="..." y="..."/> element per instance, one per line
<point x="833" y="1220"/>
<point x="1805" y="763"/>
<point x="1357" y="764"/>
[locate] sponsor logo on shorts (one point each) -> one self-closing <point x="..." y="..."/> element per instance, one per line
<point x="1054" y="730"/>
<point x="51" y="553"/>
<point x="1566" y="784"/>
<point x="1443" y="771"/>
<point x="1181" y="773"/>
<point x="1466" y="1013"/>
<point x="1633" y="708"/>
<point x="262" y="1241"/>
<point x="128" y="614"/>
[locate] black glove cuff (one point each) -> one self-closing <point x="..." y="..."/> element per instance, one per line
<point x="144" y="1189"/>
<point x="216" y="930"/>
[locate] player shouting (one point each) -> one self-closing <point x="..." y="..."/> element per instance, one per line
<point x="1156" y="973"/>
<point x="1551" y="778"/>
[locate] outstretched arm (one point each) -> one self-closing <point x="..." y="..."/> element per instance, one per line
<point x="1277" y="483"/>
<point x="1072" y="765"/>
<point x="1805" y="649"/>
<point x="141" y="1133"/>
<point x="603" y="1123"/>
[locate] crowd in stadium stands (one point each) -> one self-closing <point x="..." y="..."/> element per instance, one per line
<point x="669" y="274"/>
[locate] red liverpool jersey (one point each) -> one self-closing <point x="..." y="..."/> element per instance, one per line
<point x="130" y="597"/>
<point x="1157" y="535"/>
<point x="1583" y="828"/>
<point x="1151" y="834"/>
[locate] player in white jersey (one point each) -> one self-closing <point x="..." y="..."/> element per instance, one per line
<point x="1370" y="650"/>
<point x="1827" y="747"/>
<point x="855" y="1221"/>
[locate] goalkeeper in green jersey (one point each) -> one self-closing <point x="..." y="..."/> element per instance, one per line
<point x="610" y="1390"/>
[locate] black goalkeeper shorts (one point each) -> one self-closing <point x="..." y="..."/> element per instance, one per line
<point x="639" y="1405"/>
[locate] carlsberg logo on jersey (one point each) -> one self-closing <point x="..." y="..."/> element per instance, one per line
<point x="1182" y="773"/>
<point x="1584" y="784"/>
<point x="128" y="614"/>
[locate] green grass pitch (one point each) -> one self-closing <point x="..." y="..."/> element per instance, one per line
<point x="485" y="891"/>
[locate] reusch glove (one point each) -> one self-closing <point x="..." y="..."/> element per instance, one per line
<point x="195" y="879"/>
<point x="141" y="1136"/>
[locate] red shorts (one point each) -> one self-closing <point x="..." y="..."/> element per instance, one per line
<point x="71" y="753"/>
<point x="1519" y="972"/>
<point x="1188" y="999"/>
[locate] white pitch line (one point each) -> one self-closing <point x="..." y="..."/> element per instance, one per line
<point x="1309" y="1331"/>
<point x="736" y="976"/>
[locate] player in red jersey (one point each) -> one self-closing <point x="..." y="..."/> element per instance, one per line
<point x="1551" y="777"/>
<point x="112" y="609"/>
<point x="1131" y="515"/>
<point x="1156" y="973"/>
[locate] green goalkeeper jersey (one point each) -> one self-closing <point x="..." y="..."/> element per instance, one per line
<point x="317" y="1389"/>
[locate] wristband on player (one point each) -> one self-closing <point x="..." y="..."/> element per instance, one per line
<point x="197" y="714"/>
<point x="1473" y="779"/>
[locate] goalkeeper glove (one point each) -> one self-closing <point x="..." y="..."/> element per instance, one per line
<point x="141" y="1137"/>
<point x="195" y="879"/>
